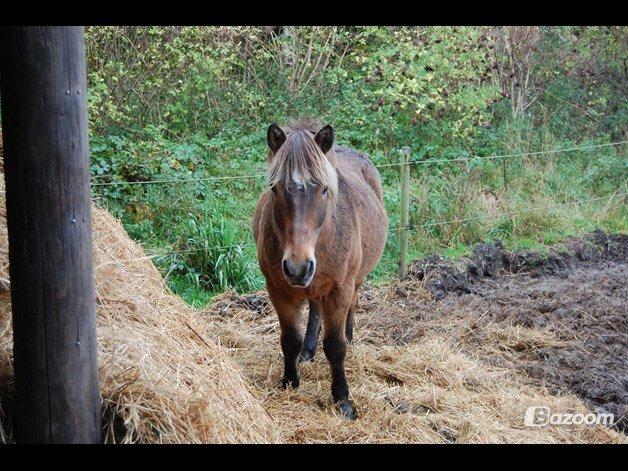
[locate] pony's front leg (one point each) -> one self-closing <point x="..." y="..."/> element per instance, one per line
<point x="335" y="347"/>
<point x="291" y="338"/>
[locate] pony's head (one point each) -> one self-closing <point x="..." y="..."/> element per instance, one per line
<point x="304" y="183"/>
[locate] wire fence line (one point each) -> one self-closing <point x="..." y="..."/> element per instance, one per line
<point x="181" y="180"/>
<point x="502" y="156"/>
<point x="404" y="164"/>
<point x="394" y="164"/>
<point x="410" y="227"/>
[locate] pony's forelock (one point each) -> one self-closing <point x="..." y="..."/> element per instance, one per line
<point x="300" y="159"/>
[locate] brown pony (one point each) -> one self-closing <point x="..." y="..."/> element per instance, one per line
<point x="320" y="228"/>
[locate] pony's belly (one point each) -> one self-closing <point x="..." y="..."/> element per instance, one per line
<point x="373" y="249"/>
<point x="374" y="231"/>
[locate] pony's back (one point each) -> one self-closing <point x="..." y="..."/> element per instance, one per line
<point x="351" y="160"/>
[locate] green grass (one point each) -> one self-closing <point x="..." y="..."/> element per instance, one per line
<point x="193" y="294"/>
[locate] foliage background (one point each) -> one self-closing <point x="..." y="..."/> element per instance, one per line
<point x="171" y="103"/>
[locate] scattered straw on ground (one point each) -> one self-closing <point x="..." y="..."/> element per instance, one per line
<point x="426" y="390"/>
<point x="172" y="374"/>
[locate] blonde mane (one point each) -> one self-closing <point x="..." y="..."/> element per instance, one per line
<point x="301" y="160"/>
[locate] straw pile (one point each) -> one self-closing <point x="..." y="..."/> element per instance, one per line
<point x="162" y="378"/>
<point x="172" y="374"/>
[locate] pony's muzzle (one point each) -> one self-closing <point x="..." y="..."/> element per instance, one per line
<point x="299" y="274"/>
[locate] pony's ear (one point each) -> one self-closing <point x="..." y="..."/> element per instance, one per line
<point x="325" y="138"/>
<point x="275" y="137"/>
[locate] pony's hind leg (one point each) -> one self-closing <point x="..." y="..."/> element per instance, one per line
<point x="351" y="318"/>
<point x="311" y="333"/>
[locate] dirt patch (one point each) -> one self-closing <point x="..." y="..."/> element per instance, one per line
<point x="257" y="302"/>
<point x="442" y="277"/>
<point x="560" y="317"/>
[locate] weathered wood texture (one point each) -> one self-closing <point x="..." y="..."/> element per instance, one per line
<point x="44" y="120"/>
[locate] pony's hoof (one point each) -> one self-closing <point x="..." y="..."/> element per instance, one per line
<point x="347" y="409"/>
<point x="293" y="383"/>
<point x="306" y="356"/>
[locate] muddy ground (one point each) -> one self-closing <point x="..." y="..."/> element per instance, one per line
<point x="560" y="318"/>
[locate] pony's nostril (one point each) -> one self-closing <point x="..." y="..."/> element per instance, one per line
<point x="286" y="269"/>
<point x="310" y="268"/>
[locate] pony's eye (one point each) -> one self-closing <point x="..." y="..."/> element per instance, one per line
<point x="325" y="190"/>
<point x="274" y="189"/>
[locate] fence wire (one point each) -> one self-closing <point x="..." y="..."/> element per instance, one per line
<point x="396" y="228"/>
<point x="502" y="156"/>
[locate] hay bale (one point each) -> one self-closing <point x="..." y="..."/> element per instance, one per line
<point x="163" y="378"/>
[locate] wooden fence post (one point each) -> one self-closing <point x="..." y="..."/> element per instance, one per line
<point x="46" y="161"/>
<point x="405" y="212"/>
<point x="505" y="174"/>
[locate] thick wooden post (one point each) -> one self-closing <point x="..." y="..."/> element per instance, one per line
<point x="46" y="160"/>
<point x="404" y="217"/>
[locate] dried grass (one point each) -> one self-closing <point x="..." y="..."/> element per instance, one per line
<point x="172" y="374"/>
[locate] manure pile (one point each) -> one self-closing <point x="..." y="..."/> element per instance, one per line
<point x="173" y="374"/>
